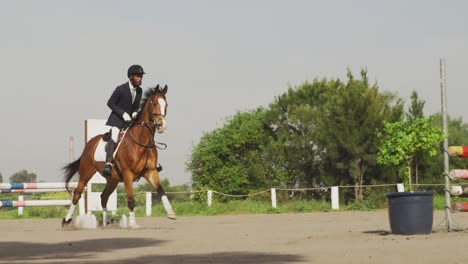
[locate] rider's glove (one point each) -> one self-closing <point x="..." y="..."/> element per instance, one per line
<point x="126" y="117"/>
<point x="134" y="115"/>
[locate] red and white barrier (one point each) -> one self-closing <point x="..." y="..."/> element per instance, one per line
<point x="20" y="203"/>
<point x="31" y="190"/>
<point x="40" y="187"/>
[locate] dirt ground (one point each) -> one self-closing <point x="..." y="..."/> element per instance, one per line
<point x="334" y="237"/>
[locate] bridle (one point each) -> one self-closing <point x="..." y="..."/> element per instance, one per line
<point x="158" y="124"/>
<point x="151" y="127"/>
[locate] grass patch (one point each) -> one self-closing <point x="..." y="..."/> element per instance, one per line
<point x="233" y="207"/>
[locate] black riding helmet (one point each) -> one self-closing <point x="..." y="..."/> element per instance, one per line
<point x="135" y="70"/>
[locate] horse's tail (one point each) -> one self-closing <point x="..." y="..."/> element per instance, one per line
<point x="70" y="170"/>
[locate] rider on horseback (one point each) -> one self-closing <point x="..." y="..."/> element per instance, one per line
<point x="124" y="103"/>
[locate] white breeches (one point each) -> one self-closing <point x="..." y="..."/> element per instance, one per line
<point x="115" y="133"/>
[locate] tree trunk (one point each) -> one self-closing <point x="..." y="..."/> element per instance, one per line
<point x="416" y="170"/>
<point x="362" y="170"/>
<point x="409" y="176"/>
<point x="359" y="190"/>
<point x="356" y="188"/>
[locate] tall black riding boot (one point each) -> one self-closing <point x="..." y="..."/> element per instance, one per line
<point x="107" y="171"/>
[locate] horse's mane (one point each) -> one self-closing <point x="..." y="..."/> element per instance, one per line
<point x="153" y="91"/>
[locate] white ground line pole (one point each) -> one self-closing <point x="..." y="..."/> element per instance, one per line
<point x="20" y="209"/>
<point x="443" y="89"/>
<point x="148" y="203"/>
<point x="400" y="187"/>
<point x="335" y="197"/>
<point x="209" y="194"/>
<point x="273" y="197"/>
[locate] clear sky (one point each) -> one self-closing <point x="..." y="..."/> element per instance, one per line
<point x="61" y="60"/>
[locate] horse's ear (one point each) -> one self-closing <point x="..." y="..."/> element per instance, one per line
<point x="156" y="89"/>
<point x="164" y="91"/>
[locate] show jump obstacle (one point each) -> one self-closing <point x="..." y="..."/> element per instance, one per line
<point x="35" y="188"/>
<point x="459" y="174"/>
<point x="90" y="201"/>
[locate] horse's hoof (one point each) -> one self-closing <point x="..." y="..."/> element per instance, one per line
<point x="171" y="216"/>
<point x="66" y="223"/>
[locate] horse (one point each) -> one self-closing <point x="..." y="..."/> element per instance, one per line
<point x="136" y="157"/>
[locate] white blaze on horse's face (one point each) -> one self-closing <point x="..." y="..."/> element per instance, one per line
<point x="162" y="108"/>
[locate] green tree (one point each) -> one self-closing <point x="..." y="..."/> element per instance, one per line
<point x="23" y="176"/>
<point x="320" y="131"/>
<point x="352" y="113"/>
<point x="416" y="110"/>
<point x="1" y="178"/>
<point x="402" y="140"/>
<point x="292" y="122"/>
<point x="229" y="159"/>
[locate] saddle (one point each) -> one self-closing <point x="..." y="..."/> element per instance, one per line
<point x="103" y="146"/>
<point x="106" y="136"/>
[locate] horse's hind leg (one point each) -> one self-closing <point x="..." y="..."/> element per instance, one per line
<point x="86" y="173"/>
<point x="152" y="176"/>
<point x="110" y="187"/>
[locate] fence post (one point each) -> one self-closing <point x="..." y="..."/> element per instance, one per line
<point x="335" y="197"/>
<point x="400" y="187"/>
<point x="273" y="197"/>
<point x="210" y="194"/>
<point x="20" y="209"/>
<point x="148" y="203"/>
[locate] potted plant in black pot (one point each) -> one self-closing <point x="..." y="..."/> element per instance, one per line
<point x="409" y="212"/>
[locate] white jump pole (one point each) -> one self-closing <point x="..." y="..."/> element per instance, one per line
<point x="148" y="203"/>
<point x="273" y="197"/>
<point x="335" y="197"/>
<point x="34" y="203"/>
<point x="20" y="208"/>
<point x="31" y="190"/>
<point x="38" y="185"/>
<point x="209" y="197"/>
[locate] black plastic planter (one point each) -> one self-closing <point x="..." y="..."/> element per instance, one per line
<point x="411" y="213"/>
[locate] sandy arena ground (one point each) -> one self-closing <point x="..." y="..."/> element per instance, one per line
<point x="335" y="237"/>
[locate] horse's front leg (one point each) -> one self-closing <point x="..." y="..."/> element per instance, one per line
<point x="152" y="176"/>
<point x="110" y="187"/>
<point x="128" y="182"/>
<point x="166" y="204"/>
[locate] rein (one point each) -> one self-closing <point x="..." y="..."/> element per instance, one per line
<point x="151" y="130"/>
<point x="151" y="126"/>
